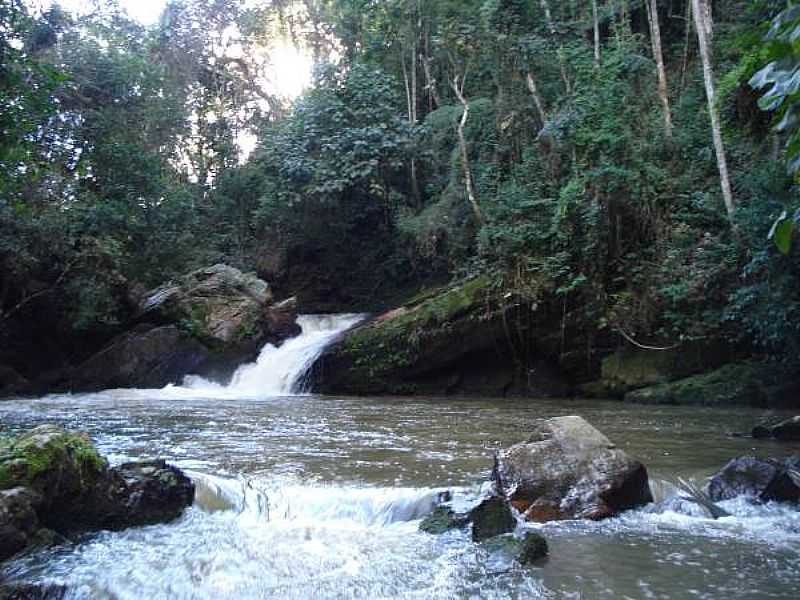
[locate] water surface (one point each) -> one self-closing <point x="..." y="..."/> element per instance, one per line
<point x="320" y="497"/>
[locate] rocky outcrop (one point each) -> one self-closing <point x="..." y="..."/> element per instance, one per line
<point x="567" y="469"/>
<point x="207" y="323"/>
<point x="739" y="384"/>
<point x="144" y="357"/>
<point x="761" y="479"/>
<point x="52" y="479"/>
<point x="631" y="368"/>
<point x="451" y="341"/>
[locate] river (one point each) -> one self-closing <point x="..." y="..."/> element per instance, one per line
<point x="302" y="496"/>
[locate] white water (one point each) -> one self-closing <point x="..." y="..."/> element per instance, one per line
<point x="278" y="371"/>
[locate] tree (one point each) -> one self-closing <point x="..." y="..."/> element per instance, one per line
<point x="703" y="24"/>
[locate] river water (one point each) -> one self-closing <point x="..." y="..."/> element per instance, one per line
<point x="320" y="497"/>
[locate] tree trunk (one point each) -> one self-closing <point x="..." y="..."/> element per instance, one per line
<point x="551" y="25"/>
<point x="537" y="98"/>
<point x="596" y="23"/>
<point x="655" y="39"/>
<point x="701" y="12"/>
<point x="458" y="88"/>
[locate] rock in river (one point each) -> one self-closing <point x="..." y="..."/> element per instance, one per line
<point x="207" y="322"/>
<point x="567" y="469"/>
<point x="52" y="479"/>
<point x="762" y="479"/>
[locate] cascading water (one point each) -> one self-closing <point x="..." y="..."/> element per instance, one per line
<point x="280" y="371"/>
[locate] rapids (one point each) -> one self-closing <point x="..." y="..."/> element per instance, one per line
<point x="303" y="496"/>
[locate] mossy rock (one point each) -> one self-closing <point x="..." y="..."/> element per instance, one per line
<point x="735" y="384"/>
<point x="442" y="520"/>
<point x="631" y="368"/>
<point x="50" y="460"/>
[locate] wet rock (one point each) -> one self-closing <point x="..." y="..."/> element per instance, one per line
<point x="11" y="382"/>
<point x="18" y="521"/>
<point x="282" y="319"/>
<point x="145" y="357"/>
<point x="140" y="493"/>
<point x="567" y="469"/>
<point x="763" y="479"/>
<point x="527" y="549"/>
<point x="450" y="341"/>
<point x="761" y="432"/>
<point x="788" y="430"/>
<point x="491" y="517"/>
<point x="442" y="520"/>
<point x="29" y="591"/>
<point x="52" y="478"/>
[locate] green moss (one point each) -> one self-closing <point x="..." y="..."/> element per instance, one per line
<point x="394" y="343"/>
<point x="24" y="459"/>
<point x="735" y="384"/>
<point x="441" y="520"/>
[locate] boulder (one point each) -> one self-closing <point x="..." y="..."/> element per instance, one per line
<point x="734" y="384"/>
<point x="56" y="479"/>
<point x="567" y="469"/>
<point x="451" y="341"/>
<point x="11" y="382"/>
<point x="526" y="549"/>
<point x="219" y="305"/>
<point x="788" y="430"/>
<point x="206" y="323"/>
<point x="491" y="517"/>
<point x="762" y="479"/>
<point x="443" y="519"/>
<point x="18" y="521"/>
<point x="143" y="358"/>
<point x="630" y="368"/>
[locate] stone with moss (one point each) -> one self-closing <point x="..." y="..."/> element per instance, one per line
<point x="528" y="548"/>
<point x="53" y="479"/>
<point x="447" y="341"/>
<point x="442" y="520"/>
<point x="735" y="384"/>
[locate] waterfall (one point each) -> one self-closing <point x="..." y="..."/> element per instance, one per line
<point x="281" y="371"/>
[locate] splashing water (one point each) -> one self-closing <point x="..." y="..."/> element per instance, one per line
<point x="280" y="371"/>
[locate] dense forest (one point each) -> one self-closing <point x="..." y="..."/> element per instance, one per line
<point x="624" y="167"/>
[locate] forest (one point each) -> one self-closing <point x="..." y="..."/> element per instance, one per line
<point x="625" y="167"/>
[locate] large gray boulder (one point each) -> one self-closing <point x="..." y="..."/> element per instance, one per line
<point x="219" y="304"/>
<point x="567" y="469"/>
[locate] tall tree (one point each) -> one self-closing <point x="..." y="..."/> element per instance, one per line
<point x="704" y="26"/>
<point x="655" y="39"/>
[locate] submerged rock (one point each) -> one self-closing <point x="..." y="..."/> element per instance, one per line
<point x="567" y="469"/>
<point x="526" y="549"/>
<point x="762" y="479"/>
<point x="491" y="517"/>
<point x="52" y="478"/>
<point x="442" y="520"/>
